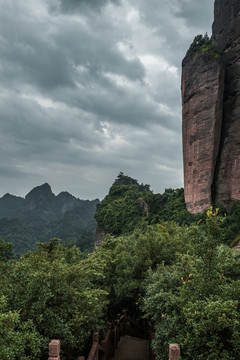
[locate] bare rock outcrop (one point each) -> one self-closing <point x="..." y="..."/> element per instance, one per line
<point x="226" y="35"/>
<point x="211" y="115"/>
<point x="99" y="237"/>
<point x="202" y="94"/>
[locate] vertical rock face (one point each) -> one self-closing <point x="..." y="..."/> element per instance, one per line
<point x="226" y="35"/>
<point x="202" y="93"/>
<point x="211" y="116"/>
<point x="226" y="26"/>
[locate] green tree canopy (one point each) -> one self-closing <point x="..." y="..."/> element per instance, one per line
<point x="204" y="44"/>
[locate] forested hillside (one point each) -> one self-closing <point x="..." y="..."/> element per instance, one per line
<point x="129" y="204"/>
<point x="159" y="262"/>
<point x="182" y="278"/>
<point x="41" y="215"/>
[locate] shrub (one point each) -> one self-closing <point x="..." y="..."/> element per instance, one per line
<point x="195" y="302"/>
<point x="203" y="44"/>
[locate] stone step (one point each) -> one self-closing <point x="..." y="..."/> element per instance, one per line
<point x="132" y="348"/>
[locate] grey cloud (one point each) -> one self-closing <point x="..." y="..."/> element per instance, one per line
<point x="94" y="45"/>
<point x="48" y="59"/>
<point x="28" y="53"/>
<point x="105" y="112"/>
<point x="176" y="23"/>
<point x="71" y="6"/>
<point x="120" y="106"/>
<point x="197" y="14"/>
<point x="9" y="171"/>
<point x="30" y="132"/>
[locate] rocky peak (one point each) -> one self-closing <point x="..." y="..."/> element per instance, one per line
<point x="66" y="201"/>
<point x="64" y="195"/>
<point x="9" y="197"/>
<point x="39" y="196"/>
<point x="44" y="189"/>
<point x="10" y="205"/>
<point x="11" y="200"/>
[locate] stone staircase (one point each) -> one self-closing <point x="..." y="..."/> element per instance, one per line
<point x="132" y="348"/>
<point x="126" y="340"/>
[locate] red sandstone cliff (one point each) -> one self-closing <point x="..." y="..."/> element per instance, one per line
<point x="226" y="35"/>
<point x="202" y="93"/>
<point x="211" y="116"/>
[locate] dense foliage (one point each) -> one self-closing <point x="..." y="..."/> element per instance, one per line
<point x="231" y="225"/>
<point x="195" y="302"/>
<point x="129" y="203"/>
<point x="53" y="292"/>
<point x="182" y="277"/>
<point x="60" y="293"/>
<point x="121" y="211"/>
<point x="167" y="265"/>
<point x="204" y="44"/>
<point x="170" y="206"/>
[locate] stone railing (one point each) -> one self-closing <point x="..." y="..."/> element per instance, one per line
<point x="54" y="350"/>
<point x="105" y="349"/>
<point x="174" y="351"/>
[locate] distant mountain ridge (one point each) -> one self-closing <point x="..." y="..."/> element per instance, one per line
<point x="42" y="215"/>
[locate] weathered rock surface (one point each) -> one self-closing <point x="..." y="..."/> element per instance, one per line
<point x="212" y="170"/>
<point x="143" y="206"/>
<point x="226" y="28"/>
<point x="226" y="35"/>
<point x="202" y="94"/>
<point x="237" y="246"/>
<point x="99" y="237"/>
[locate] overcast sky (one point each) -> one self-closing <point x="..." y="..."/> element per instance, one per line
<point x="89" y="88"/>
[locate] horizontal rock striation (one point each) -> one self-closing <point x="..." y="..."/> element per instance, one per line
<point x="202" y="94"/>
<point x="226" y="35"/>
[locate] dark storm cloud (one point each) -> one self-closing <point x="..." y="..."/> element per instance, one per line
<point x="47" y="58"/>
<point x="89" y="88"/>
<point x="120" y="106"/>
<point x="94" y="46"/>
<point x="72" y="6"/>
<point x="28" y="54"/>
<point x="29" y="131"/>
